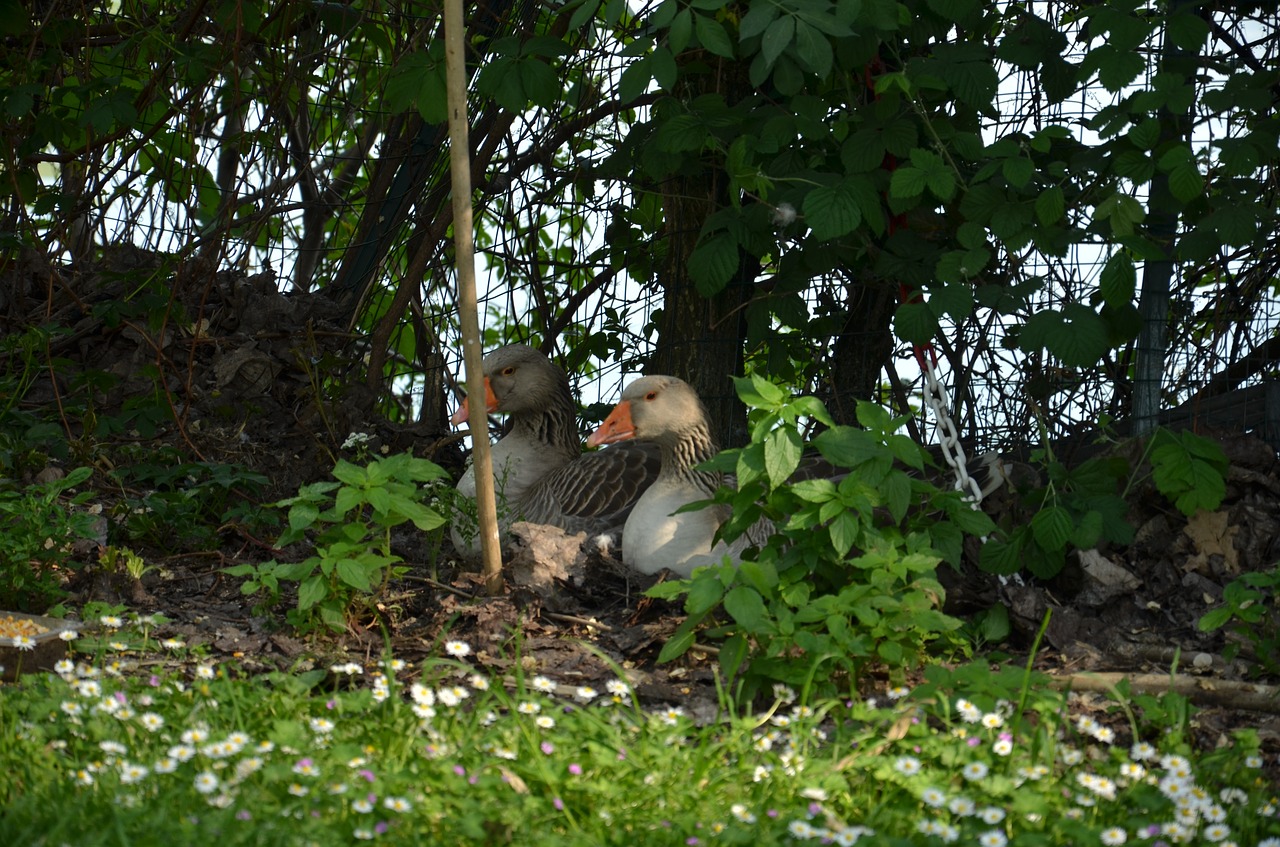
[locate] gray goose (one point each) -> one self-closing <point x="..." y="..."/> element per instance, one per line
<point x="666" y="411"/>
<point x="541" y="472"/>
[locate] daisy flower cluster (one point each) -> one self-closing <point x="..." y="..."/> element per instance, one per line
<point x="969" y="785"/>
<point x="449" y="751"/>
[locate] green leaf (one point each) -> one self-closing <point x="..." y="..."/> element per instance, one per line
<point x="814" y="490"/>
<point x="681" y="31"/>
<point x="302" y="516"/>
<point x="1088" y="532"/>
<point x="777" y="38"/>
<point x="746" y="606"/>
<point x="667" y="590"/>
<point x="541" y="83"/>
<point x="1236" y="225"/>
<point x="846" y="446"/>
<point x="1187" y="30"/>
<point x="972" y="521"/>
<point x="813" y="49"/>
<point x="713" y="263"/>
<point x="994" y="626"/>
<point x="635" y="80"/>
<point x="1134" y="165"/>
<point x="1118" y="281"/>
<point x="664" y="67"/>
<point x="423" y="517"/>
<point x="1191" y="471"/>
<point x="968" y="72"/>
<point x="758" y="392"/>
<point x="1052" y="527"/>
<point x="1050" y="205"/>
<point x="957" y="11"/>
<point x="896" y="490"/>
<point x="862" y="152"/>
<point x="1018" y="170"/>
<point x="954" y="300"/>
<point x="311" y="591"/>
<point x="331" y="615"/>
<point x="831" y="211"/>
<point x="891" y="652"/>
<point x="733" y="652"/>
<point x="681" y="134"/>
<point x="678" y="645"/>
<point x="1215" y="619"/>
<point x="1123" y="211"/>
<point x="354" y="574"/>
<point x="942" y="182"/>
<point x="908" y="182"/>
<point x="713" y="36"/>
<point x="782" y="449"/>
<point x="1117" y="68"/>
<point x="1001" y="557"/>
<point x="1186" y="183"/>
<point x="757" y="19"/>
<point x="704" y="594"/>
<point x="915" y="323"/>
<point x="350" y="474"/>
<point x="1077" y="335"/>
<point x="844" y="530"/>
<point x="1145" y="135"/>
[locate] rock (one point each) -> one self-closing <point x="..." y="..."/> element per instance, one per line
<point x="541" y="555"/>
<point x="1104" y="580"/>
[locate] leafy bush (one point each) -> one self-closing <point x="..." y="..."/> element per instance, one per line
<point x="37" y="528"/>
<point x="1080" y="507"/>
<point x="850" y="576"/>
<point x="1189" y="470"/>
<point x="352" y="520"/>
<point x="1084" y="506"/>
<point x="188" y="502"/>
<point x="1248" y="612"/>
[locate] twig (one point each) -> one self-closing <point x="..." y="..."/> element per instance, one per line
<point x="1249" y="696"/>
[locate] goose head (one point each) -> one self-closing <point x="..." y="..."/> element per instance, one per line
<point x="653" y="408"/>
<point x="517" y="378"/>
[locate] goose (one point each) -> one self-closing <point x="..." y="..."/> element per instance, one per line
<point x="667" y="411"/>
<point x="541" y="473"/>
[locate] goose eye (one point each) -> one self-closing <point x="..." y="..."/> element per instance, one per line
<point x="508" y="371"/>
<point x="651" y="395"/>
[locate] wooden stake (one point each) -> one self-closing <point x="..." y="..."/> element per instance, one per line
<point x="468" y="312"/>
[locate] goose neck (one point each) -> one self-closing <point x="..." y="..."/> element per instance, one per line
<point x="692" y="447"/>
<point x="555" y="426"/>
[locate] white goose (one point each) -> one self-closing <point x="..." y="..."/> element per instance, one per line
<point x="665" y="410"/>
<point x="541" y="472"/>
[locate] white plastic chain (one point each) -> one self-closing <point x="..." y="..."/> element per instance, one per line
<point x="935" y="397"/>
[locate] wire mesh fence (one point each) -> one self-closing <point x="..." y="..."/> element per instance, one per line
<point x="297" y="142"/>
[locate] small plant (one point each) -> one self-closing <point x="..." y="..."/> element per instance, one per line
<point x="850" y="576"/>
<point x="189" y="501"/>
<point x="1248" y="611"/>
<point x="38" y="525"/>
<point x="1084" y="506"/>
<point x="1080" y="507"/>
<point x="1189" y="470"/>
<point x="352" y="520"/>
<point x="122" y="560"/>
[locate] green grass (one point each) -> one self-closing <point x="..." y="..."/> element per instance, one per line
<point x="130" y="747"/>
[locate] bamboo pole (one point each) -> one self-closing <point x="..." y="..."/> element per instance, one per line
<point x="468" y="312"/>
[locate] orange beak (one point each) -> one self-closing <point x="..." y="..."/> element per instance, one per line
<point x="463" y="414"/>
<point x="617" y="427"/>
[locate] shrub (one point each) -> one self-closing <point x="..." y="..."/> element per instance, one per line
<point x="850" y="576"/>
